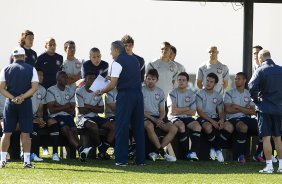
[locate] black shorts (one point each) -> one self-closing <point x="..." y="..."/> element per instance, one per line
<point x="65" y="120"/>
<point x="97" y="119"/>
<point x="269" y="124"/>
<point x="252" y="124"/>
<point x="186" y="120"/>
<point x="202" y="120"/>
<point x="111" y="118"/>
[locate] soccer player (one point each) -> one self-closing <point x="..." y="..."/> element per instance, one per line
<point x="154" y="113"/>
<point x="61" y="104"/>
<point x="95" y="64"/>
<point x="72" y="66"/>
<point x="89" y="106"/>
<point x="213" y="66"/>
<point x="211" y="116"/>
<point x="239" y="108"/>
<point x="182" y="106"/>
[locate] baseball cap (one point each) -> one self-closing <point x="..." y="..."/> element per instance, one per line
<point x="18" y="51"/>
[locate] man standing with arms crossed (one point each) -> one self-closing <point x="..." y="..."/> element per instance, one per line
<point x="266" y="92"/>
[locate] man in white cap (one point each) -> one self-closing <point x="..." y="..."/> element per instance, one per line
<point x="18" y="82"/>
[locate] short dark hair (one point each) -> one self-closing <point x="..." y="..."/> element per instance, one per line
<point x="185" y="74"/>
<point x="127" y="39"/>
<point x="214" y="76"/>
<point x="94" y="49"/>
<point x="173" y="49"/>
<point x="70" y="42"/>
<point x="257" y="47"/>
<point x="39" y="69"/>
<point x="153" y="72"/>
<point x="166" y="44"/>
<point x="23" y="36"/>
<point x="89" y="73"/>
<point x="60" y="73"/>
<point x="244" y="75"/>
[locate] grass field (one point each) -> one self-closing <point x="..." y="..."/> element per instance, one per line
<point x="96" y="171"/>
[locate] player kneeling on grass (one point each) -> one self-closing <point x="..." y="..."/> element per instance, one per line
<point x="182" y="106"/>
<point x="239" y="108"/>
<point x="154" y="113"/>
<point x="61" y="104"/>
<point x="89" y="106"/>
<point x="211" y="112"/>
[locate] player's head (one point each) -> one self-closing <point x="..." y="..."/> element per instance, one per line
<point x="152" y="77"/>
<point x="95" y="56"/>
<point x="172" y="53"/>
<point x="212" y="80"/>
<point x="183" y="79"/>
<point x="50" y="45"/>
<point x="240" y="79"/>
<point x="62" y="78"/>
<point x="128" y="44"/>
<point x="40" y="74"/>
<point x="26" y="39"/>
<point x="213" y="52"/>
<point x="89" y="79"/>
<point x="70" y="48"/>
<point x="165" y="50"/>
<point x="117" y="48"/>
<point x="256" y="50"/>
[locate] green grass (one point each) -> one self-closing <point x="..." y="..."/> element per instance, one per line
<point x="95" y="171"/>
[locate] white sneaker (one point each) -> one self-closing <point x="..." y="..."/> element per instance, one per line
<point x="55" y="157"/>
<point x="219" y="156"/>
<point x="83" y="155"/>
<point x="192" y="156"/>
<point x="169" y="158"/>
<point x="274" y="159"/>
<point x="35" y="158"/>
<point x="212" y="154"/>
<point x="153" y="156"/>
<point x="45" y="152"/>
<point x="266" y="170"/>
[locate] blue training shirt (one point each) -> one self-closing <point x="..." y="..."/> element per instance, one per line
<point x="89" y="67"/>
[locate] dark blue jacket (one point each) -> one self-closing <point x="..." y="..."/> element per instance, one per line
<point x="266" y="88"/>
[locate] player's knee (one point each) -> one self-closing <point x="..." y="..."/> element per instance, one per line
<point x="196" y="126"/>
<point x="207" y="127"/>
<point x="180" y="125"/>
<point x="228" y="127"/>
<point x="173" y="129"/>
<point x="241" y="127"/>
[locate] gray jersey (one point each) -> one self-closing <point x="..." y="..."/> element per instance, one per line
<point x="167" y="73"/>
<point x="72" y="67"/>
<point x="181" y="100"/>
<point x="209" y="103"/>
<point x="219" y="69"/>
<point x="233" y="96"/>
<point x="54" y="94"/>
<point x="153" y="100"/>
<point x="180" y="68"/>
<point x="109" y="99"/>
<point x="83" y="97"/>
<point x="39" y="97"/>
<point x="2" y="104"/>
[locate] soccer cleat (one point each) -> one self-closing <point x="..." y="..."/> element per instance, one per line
<point x="2" y="164"/>
<point x="34" y="157"/>
<point x="212" y="154"/>
<point x="169" y="158"/>
<point x="219" y="156"/>
<point x="279" y="170"/>
<point x="55" y="157"/>
<point x="266" y="170"/>
<point x="274" y="159"/>
<point x="258" y="158"/>
<point x="241" y="159"/>
<point x="104" y="156"/>
<point x="153" y="156"/>
<point x="28" y="166"/>
<point x="84" y="153"/>
<point x="121" y="164"/>
<point x="192" y="156"/>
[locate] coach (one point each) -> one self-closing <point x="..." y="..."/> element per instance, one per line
<point x="18" y="82"/>
<point x="125" y="75"/>
<point x="266" y="91"/>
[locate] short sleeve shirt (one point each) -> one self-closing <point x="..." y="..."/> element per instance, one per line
<point x="38" y="98"/>
<point x="153" y="99"/>
<point x="109" y="99"/>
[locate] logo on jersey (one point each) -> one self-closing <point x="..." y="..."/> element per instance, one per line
<point x="171" y="68"/>
<point x="219" y="70"/>
<point x="157" y="96"/>
<point x="67" y="96"/>
<point x="187" y="99"/>
<point x="39" y="96"/>
<point x="246" y="99"/>
<point x="58" y="63"/>
<point x="78" y="65"/>
<point x="214" y="100"/>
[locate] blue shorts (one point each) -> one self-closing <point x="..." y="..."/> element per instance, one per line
<point x="97" y="119"/>
<point x="269" y="124"/>
<point x="252" y="124"/>
<point x="202" y="120"/>
<point x="186" y="120"/>
<point x="18" y="113"/>
<point x="65" y="120"/>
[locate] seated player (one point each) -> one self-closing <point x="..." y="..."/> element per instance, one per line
<point x="61" y="105"/>
<point x="182" y="106"/>
<point x="154" y="113"/>
<point x="89" y="106"/>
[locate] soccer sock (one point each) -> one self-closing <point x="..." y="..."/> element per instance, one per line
<point x="80" y="148"/>
<point x="161" y="151"/>
<point x="269" y="164"/>
<point x="27" y="157"/>
<point x="104" y="147"/>
<point x="241" y="141"/>
<point x="195" y="139"/>
<point x="183" y="140"/>
<point x="211" y="139"/>
<point x="54" y="136"/>
<point x="280" y="163"/>
<point x="260" y="147"/>
<point x="4" y="156"/>
<point x="224" y="135"/>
